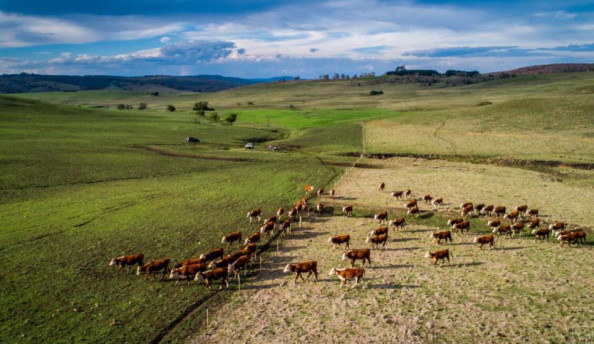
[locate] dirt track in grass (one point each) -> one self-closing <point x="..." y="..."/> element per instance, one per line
<point x="522" y="291"/>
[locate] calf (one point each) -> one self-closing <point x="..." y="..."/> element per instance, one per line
<point x="533" y="213"/>
<point x="353" y="255"/>
<point x="298" y="268"/>
<point x="452" y="222"/>
<point x="499" y="210"/>
<point x="187" y="272"/>
<point x="213" y="275"/>
<point x="239" y="264"/>
<point x="414" y="211"/>
<point x="127" y="260"/>
<point x="557" y="227"/>
<point x="253" y="239"/>
<point x="437" y="202"/>
<point x="381" y="217"/>
<point x="379" y="231"/>
<point x="212" y="255"/>
<point x="410" y="204"/>
<point x="518" y="227"/>
<point x="382" y="186"/>
<point x="267" y="228"/>
<point x="534" y="223"/>
<point x="513" y="216"/>
<point x="467" y="210"/>
<point x="541" y="233"/>
<point x="153" y="266"/>
<point x="255" y="214"/>
<point x="397" y="194"/>
<point x="439" y="236"/>
<point x="231" y="238"/>
<point x="348" y="210"/>
<point x="505" y="229"/>
<point x="427" y="198"/>
<point x="488" y="210"/>
<point x="522" y="209"/>
<point x="485" y="239"/>
<point x="439" y="255"/>
<point x="398" y="223"/>
<point x="340" y="239"/>
<point x="345" y="274"/>
<point x="461" y="226"/>
<point x="189" y="262"/>
<point x="377" y="240"/>
<point x="279" y="212"/>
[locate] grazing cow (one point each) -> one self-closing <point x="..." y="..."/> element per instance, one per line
<point x="439" y="236"/>
<point x="439" y="255"/>
<point x="377" y="240"/>
<point x="534" y="223"/>
<point x="414" y="211"/>
<point x="153" y="266"/>
<point x="382" y="186"/>
<point x="488" y="210"/>
<point x="379" y="231"/>
<point x="576" y="237"/>
<point x="293" y="212"/>
<point x="494" y="224"/>
<point x="353" y="255"/>
<point x="127" y="260"/>
<point x="410" y="204"/>
<point x="467" y="210"/>
<point x="504" y="229"/>
<point x="228" y="259"/>
<point x="187" y="272"/>
<point x="533" y="213"/>
<point x="518" y="227"/>
<point x="461" y="226"/>
<point x="272" y="219"/>
<point x="319" y="208"/>
<point x="398" y="223"/>
<point x="466" y="204"/>
<point x="231" y="238"/>
<point x="340" y="239"/>
<point x="212" y="255"/>
<point x="408" y="193"/>
<point x="397" y="194"/>
<point x="332" y="193"/>
<point x="279" y="212"/>
<point x="285" y="227"/>
<point x="541" y="233"/>
<point x="239" y="264"/>
<point x="557" y="227"/>
<point x="213" y="275"/>
<point x="267" y="228"/>
<point x="347" y="210"/>
<point x="345" y="274"/>
<point x="499" y="210"/>
<point x="381" y="217"/>
<point x="427" y="198"/>
<point x="320" y="192"/>
<point x="479" y="208"/>
<point x="513" y="216"/>
<point x="255" y="214"/>
<point x="452" y="222"/>
<point x="522" y="209"/>
<point x="253" y="239"/>
<point x="189" y="262"/>
<point x="485" y="239"/>
<point x="437" y="202"/>
<point x="298" y="268"/>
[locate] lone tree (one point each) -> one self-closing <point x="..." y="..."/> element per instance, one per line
<point x="232" y="117"/>
<point x="214" y="116"/>
<point x="202" y="106"/>
<point x="170" y="108"/>
<point x="142" y="106"/>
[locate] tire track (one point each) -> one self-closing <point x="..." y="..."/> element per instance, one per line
<point x="451" y="145"/>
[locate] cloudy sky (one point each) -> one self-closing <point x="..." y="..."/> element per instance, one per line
<point x="264" y="38"/>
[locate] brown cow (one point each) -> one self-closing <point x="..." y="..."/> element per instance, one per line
<point x="187" y="272"/>
<point x="253" y="239"/>
<point x="454" y="221"/>
<point x="268" y="228"/>
<point x="332" y="193"/>
<point x="504" y="229"/>
<point x="377" y="240"/>
<point x="228" y="259"/>
<point x="541" y="233"/>
<point x="437" y="202"/>
<point x="215" y="274"/>
<point x="557" y="227"/>
<point x="353" y="255"/>
<point x="231" y="238"/>
<point x="466" y="204"/>
<point x="397" y="194"/>
<point x="461" y="226"/>
<point x="479" y="208"/>
<point x="299" y="268"/>
<point x="273" y="219"/>
<point x="467" y="210"/>
<point x="408" y="193"/>
<point x="279" y="212"/>
<point x="488" y="210"/>
<point x="320" y="192"/>
<point x="534" y="223"/>
<point x="414" y="211"/>
<point x="340" y="239"/>
<point x="533" y="213"/>
<point x="127" y="260"/>
<point x="576" y="237"/>
<point x="239" y="264"/>
<point x="485" y="239"/>
<point x="319" y="208"/>
<point x="439" y="236"/>
<point x="345" y="274"/>
<point x="410" y="204"/>
<point x="513" y="216"/>
<point x="494" y="223"/>
<point x="439" y="255"/>
<point x="285" y="227"/>
<point x="255" y="214"/>
<point x="189" y="262"/>
<point x="499" y="210"/>
<point x="518" y="227"/>
<point x="347" y="210"/>
<point x="379" y="231"/>
<point x="381" y="217"/>
<point x="382" y="186"/>
<point x="153" y="266"/>
<point x="398" y="223"/>
<point x="427" y="198"/>
<point x="522" y="209"/>
<point x="212" y="255"/>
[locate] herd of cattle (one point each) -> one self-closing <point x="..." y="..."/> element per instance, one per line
<point x="215" y="265"/>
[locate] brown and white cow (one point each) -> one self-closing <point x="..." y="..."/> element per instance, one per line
<point x="239" y="264"/>
<point x="518" y="227"/>
<point x="255" y="214"/>
<point x="345" y="274"/>
<point x="499" y="210"/>
<point x="310" y="266"/>
<point x="439" y="255"/>
<point x="279" y="212"/>
<point x="414" y="211"/>
<point x="150" y="268"/>
<point x="319" y="208"/>
<point x="228" y="259"/>
<point x="339" y="240"/>
<point x="522" y="209"/>
<point x="557" y="227"/>
<point x="488" y="210"/>
<point x="128" y="260"/>
<point x="379" y="231"/>
<point x="533" y="213"/>
<point x="320" y="192"/>
<point x="479" y="208"/>
<point x="347" y="210"/>
<point x="534" y="223"/>
<point x="493" y="224"/>
<point x="285" y="227"/>
<point x="377" y="240"/>
<point x="253" y="239"/>
<point x="397" y="194"/>
<point x="467" y="210"/>
<point x="513" y="216"/>
<point x="252" y="248"/>
<point x="332" y="193"/>
<point x="381" y="217"/>
<point x="187" y="262"/>
<point x="353" y="255"/>
<point x="427" y="198"/>
<point x="410" y="204"/>
<point x="268" y="228"/>
<point x="439" y="236"/>
<point x="398" y="223"/>
<point x="541" y="233"/>
<point x="437" y="202"/>
<point x="212" y="255"/>
<point x="504" y="229"/>
<point x="382" y="186"/>
<point x="187" y="272"/>
<point x="485" y="239"/>
<point x="575" y="237"/>
<point x="461" y="226"/>
<point x="231" y="238"/>
<point x="294" y="212"/>
<point x="213" y="275"/>
<point x="408" y="193"/>
<point x="452" y="222"/>
<point x="273" y="219"/>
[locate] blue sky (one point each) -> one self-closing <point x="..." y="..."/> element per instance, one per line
<point x="265" y="38"/>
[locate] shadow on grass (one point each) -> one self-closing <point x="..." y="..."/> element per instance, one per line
<point x="404" y="239"/>
<point x="420" y="230"/>
<point x="308" y="235"/>
<point x="395" y="266"/>
<point x="404" y="249"/>
<point x="395" y="286"/>
<point x="461" y="243"/>
<point x="509" y="248"/>
<point x="289" y="249"/>
<point x="454" y="265"/>
<point x="426" y="215"/>
<point x="258" y="286"/>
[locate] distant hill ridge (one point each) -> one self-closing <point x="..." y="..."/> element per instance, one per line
<point x="551" y="68"/>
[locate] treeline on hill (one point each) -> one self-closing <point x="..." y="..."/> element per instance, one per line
<point x="24" y="82"/>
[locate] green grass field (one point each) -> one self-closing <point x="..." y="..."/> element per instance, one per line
<point x="82" y="184"/>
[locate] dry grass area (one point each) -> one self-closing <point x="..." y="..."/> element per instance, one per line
<point x="522" y="291"/>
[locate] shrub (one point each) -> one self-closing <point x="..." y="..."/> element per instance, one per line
<point x="201" y="106"/>
<point x="232" y="117"/>
<point x="214" y="116"/>
<point x="121" y="106"/>
<point x="375" y="93"/>
<point x="170" y="108"/>
<point x="200" y="113"/>
<point x="250" y="103"/>
<point x="484" y="103"/>
<point x="142" y="106"/>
